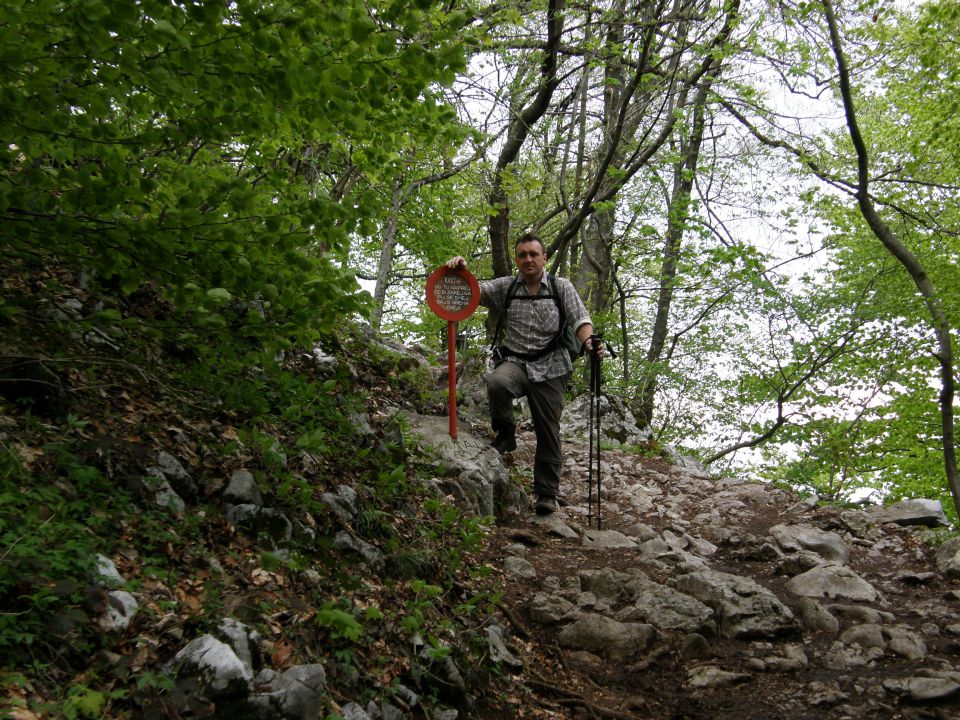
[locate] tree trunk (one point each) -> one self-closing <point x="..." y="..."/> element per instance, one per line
<point x="519" y="129"/>
<point x="385" y="263"/>
<point x="625" y="350"/>
<point x="627" y="102"/>
<point x="678" y="212"/>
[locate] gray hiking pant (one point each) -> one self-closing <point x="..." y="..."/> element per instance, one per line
<point x="508" y="382"/>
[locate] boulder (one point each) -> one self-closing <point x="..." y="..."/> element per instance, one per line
<point x="828" y="545"/>
<point x="832" y="581"/>
<point x="743" y="607"/>
<point x="242" y="490"/>
<point x="948" y="559"/>
<point x="604" y="636"/>
<point x="170" y="469"/>
<point x="212" y="670"/>
<point x="616" y="421"/>
<point x="298" y="693"/>
<point x="928" y="513"/>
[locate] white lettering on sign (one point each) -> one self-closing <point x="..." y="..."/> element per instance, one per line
<point x="453" y="294"/>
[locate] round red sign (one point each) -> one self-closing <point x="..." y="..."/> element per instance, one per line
<point x="452" y="294"/>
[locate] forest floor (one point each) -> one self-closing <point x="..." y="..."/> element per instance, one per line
<point x="83" y="414"/>
<point x="658" y="684"/>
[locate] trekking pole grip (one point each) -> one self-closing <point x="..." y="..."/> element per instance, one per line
<point x="595" y="340"/>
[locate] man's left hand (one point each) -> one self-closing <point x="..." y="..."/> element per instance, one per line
<point x="593" y="345"/>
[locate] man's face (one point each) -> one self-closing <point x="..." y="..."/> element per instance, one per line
<point x="530" y="260"/>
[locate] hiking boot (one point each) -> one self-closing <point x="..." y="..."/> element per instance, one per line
<point x="506" y="440"/>
<point x="546" y="505"/>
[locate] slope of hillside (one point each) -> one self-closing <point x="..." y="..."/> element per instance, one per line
<point x="184" y="536"/>
<point x="185" y="533"/>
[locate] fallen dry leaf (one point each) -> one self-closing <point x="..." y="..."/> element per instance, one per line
<point x="29" y="455"/>
<point x="261" y="577"/>
<point x="194" y="602"/>
<point x="23" y="714"/>
<point x="281" y="653"/>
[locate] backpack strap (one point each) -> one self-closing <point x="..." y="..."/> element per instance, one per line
<point x="511" y="291"/>
<point x="561" y="324"/>
<point x="556" y="299"/>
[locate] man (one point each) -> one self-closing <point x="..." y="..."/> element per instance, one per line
<point x="536" y="365"/>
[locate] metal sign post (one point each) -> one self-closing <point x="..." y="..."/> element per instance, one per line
<point x="453" y="295"/>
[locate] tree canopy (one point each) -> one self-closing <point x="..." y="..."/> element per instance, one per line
<point x="216" y="151"/>
<point x="757" y="199"/>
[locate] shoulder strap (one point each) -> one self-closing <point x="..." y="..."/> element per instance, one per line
<point x="554" y="293"/>
<point x="556" y="299"/>
<point x="511" y="291"/>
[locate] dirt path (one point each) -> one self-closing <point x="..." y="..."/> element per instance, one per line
<point x="897" y="656"/>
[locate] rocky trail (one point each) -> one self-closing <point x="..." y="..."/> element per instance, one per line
<point x="718" y="598"/>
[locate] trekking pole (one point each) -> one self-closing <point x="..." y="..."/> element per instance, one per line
<point x="590" y="457"/>
<point x="596" y="379"/>
<point x="595" y="375"/>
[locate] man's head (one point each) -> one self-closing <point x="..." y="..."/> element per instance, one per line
<point x="530" y="256"/>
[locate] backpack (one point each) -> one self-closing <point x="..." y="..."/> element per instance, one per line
<point x="566" y="337"/>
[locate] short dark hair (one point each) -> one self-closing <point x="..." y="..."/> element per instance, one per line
<point x="530" y="237"/>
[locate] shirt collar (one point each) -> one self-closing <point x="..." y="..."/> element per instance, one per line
<point x="543" y="280"/>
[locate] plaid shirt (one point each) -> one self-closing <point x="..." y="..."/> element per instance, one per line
<point x="531" y="325"/>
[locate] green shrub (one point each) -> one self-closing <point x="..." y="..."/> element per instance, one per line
<point x="51" y="525"/>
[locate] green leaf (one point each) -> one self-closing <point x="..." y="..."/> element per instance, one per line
<point x="86" y="703"/>
<point x="341" y="623"/>
<point x="219" y="296"/>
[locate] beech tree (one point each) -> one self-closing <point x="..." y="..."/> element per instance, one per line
<point x="870" y="164"/>
<point x="211" y="151"/>
<point x="591" y="97"/>
<point x="402" y="191"/>
<point x="910" y="262"/>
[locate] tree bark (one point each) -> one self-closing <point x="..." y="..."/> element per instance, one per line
<point x="399" y="194"/>
<point x="385" y="262"/>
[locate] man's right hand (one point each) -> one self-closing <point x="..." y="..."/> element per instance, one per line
<point x="457" y="263"/>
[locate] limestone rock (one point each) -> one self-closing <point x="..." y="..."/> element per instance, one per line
<point x="948" y="559"/>
<point x="373" y="556"/>
<point x="220" y="672"/>
<point x="911" y="512"/>
<point x="617" y="422"/>
<point x="106" y="573"/>
<point x="832" y="581"/>
<point x="547" y="609"/>
<point x="817" y="618"/>
<point x="244" y="640"/>
<point x="519" y="567"/>
<point x="498" y="649"/>
<point x="121" y="607"/>
<point x="170" y="469"/>
<point x="744" y="607"/>
<point x="295" y="694"/>
<point x="925" y="689"/>
<point x="472" y="471"/>
<point x="605" y="636"/>
<point x="665" y="607"/>
<point x="828" y="545"/>
<point x="600" y="539"/>
<point x="906" y="643"/>
<point x="708" y="676"/>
